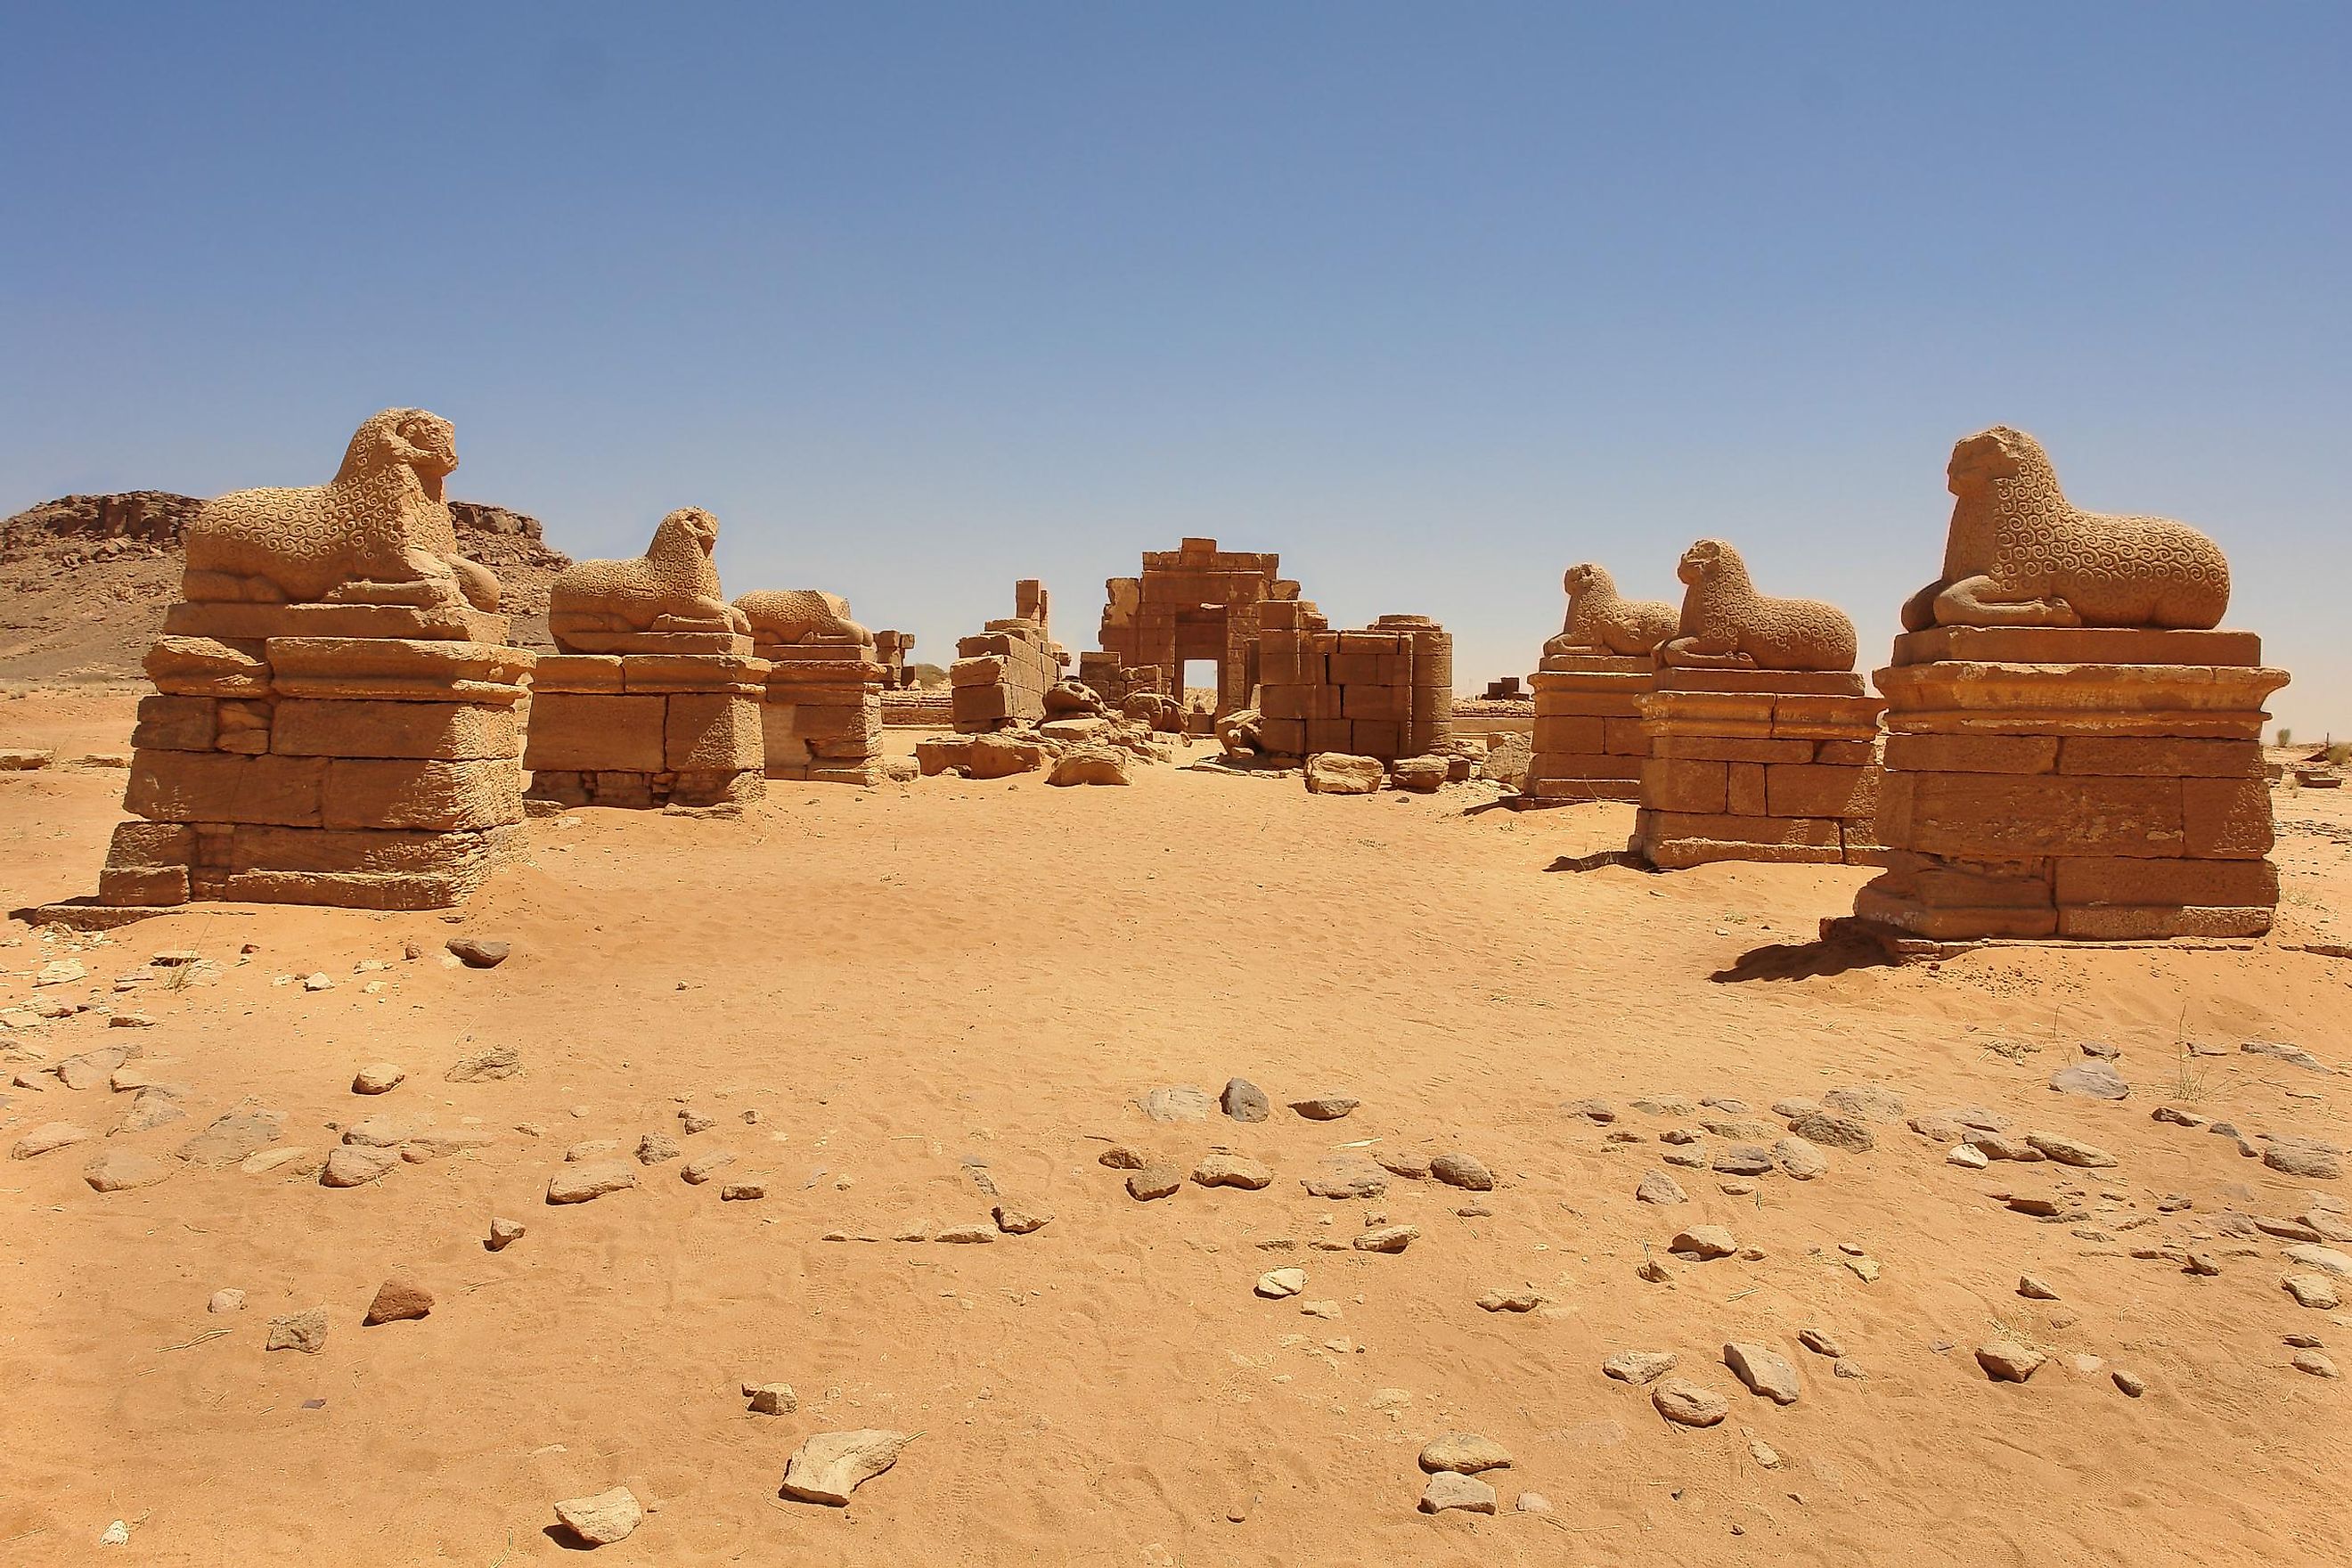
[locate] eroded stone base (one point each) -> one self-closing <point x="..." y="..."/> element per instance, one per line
<point x="1740" y="771"/>
<point x="640" y="731"/>
<point x="2081" y="796"/>
<point x="365" y="771"/>
<point x="821" y="714"/>
<point x="1588" y="741"/>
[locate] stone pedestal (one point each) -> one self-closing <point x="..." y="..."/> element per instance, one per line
<point x="649" y="729"/>
<point x="2086" y="784"/>
<point x="1588" y="741"/>
<point x="821" y="713"/>
<point x="357" y="755"/>
<point x="1773" y="765"/>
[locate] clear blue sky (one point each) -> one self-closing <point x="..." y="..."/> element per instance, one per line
<point x="1431" y="298"/>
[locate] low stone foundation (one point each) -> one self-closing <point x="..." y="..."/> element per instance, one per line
<point x="2094" y="783"/>
<point x="644" y="729"/>
<point x="1773" y="765"/>
<point x="356" y="755"/>
<point x="1590" y="741"/>
<point x="821" y="713"/>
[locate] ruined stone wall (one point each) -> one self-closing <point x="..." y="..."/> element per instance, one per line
<point x="1000" y="675"/>
<point x="1386" y="691"/>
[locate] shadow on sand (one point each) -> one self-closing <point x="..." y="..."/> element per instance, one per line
<point x="1804" y="960"/>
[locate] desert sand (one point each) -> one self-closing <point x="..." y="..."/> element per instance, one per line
<point x="888" y="1002"/>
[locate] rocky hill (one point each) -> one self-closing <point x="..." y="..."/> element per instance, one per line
<point x="85" y="580"/>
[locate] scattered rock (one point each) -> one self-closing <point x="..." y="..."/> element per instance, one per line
<point x="2311" y="1290"/>
<point x="1231" y="1171"/>
<point x="1465" y="1453"/>
<point x="1868" y="1101"/>
<point x="1534" y="1502"/>
<point x="1800" y="1158"/>
<point x="486" y="1066"/>
<point x="1015" y="1219"/>
<point x="1703" y="1242"/>
<point x="1119" y="1157"/>
<point x="1412" y="1165"/>
<point x="2130" y="1382"/>
<point x="2041" y="1205"/>
<point x="1744" y="1159"/>
<point x="1176" y="1102"/>
<point x="304" y="1332"/>
<point x="1387" y="1239"/>
<point x="830" y="1466"/>
<point x="356" y="1166"/>
<point x="1336" y="773"/>
<point x="2070" y="1150"/>
<point x="318" y="980"/>
<point x="1596" y="1110"/>
<point x="377" y="1077"/>
<point x="2280" y="1050"/>
<point x="691" y="1121"/>
<point x="125" y="1170"/>
<point x="579" y="1184"/>
<point x="2316" y="1362"/>
<point x="657" y="1148"/>
<point x="1685" y="1404"/>
<point x="752" y="1189"/>
<point x="1839" y="1131"/>
<point x="1820" y="1344"/>
<point x="2204" y="1264"/>
<point x="2312" y="1255"/>
<point x="1966" y="1155"/>
<point x="1765" y="1371"/>
<point x="1245" y="1101"/>
<point x="1325" y="1107"/>
<point x="771" y="1398"/>
<point x="46" y="1139"/>
<point x="2033" y="1287"/>
<point x="1639" y="1367"/>
<point x="603" y="1518"/>
<point x="2097" y="1079"/>
<point x="1275" y="1284"/>
<point x="2305" y="1157"/>
<point x="703" y="1167"/>
<point x="1456" y="1169"/>
<point x="1526" y="1299"/>
<point x="2178" y="1118"/>
<point x="225" y="1300"/>
<point x="1154" y="1182"/>
<point x="504" y="1232"/>
<point x="1448" y="1489"/>
<point x="2006" y="1361"/>
<point x="1660" y="1188"/>
<point x="478" y="953"/>
<point x="397" y="1300"/>
<point x="233" y="1136"/>
<point x="1345" y="1179"/>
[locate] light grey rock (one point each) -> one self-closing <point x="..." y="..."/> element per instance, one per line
<point x="1687" y="1404"/>
<point x="1176" y="1102"/>
<point x="830" y="1466"/>
<point x="602" y="1519"/>
<point x="1764" y="1370"/>
<point x="1449" y="1489"/>
<point x="1659" y="1187"/>
<point x="1245" y="1101"/>
<point x="2096" y="1079"/>
<point x="1638" y="1367"/>
<point x="578" y="1184"/>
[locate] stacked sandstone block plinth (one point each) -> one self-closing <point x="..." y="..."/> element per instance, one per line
<point x="1386" y="691"/>
<point x="335" y="717"/>
<point x="1001" y="677"/>
<point x="821" y="714"/>
<point x="1761" y="736"/>
<point x="1588" y="741"/>
<point x="654" y="699"/>
<point x="2072" y="750"/>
